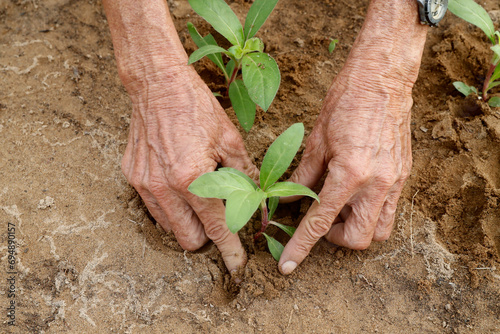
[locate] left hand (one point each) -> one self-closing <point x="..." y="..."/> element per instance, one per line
<point x="362" y="136"/>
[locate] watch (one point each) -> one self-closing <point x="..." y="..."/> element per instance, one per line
<point x="432" y="11"/>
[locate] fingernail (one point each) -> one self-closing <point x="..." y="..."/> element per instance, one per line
<point x="288" y="267"/>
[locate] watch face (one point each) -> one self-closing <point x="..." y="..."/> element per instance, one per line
<point x="437" y="9"/>
<point x="432" y="11"/>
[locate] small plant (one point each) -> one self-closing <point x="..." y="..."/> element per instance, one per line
<point x="333" y="44"/>
<point x="473" y="13"/>
<point x="243" y="196"/>
<point x="260" y="72"/>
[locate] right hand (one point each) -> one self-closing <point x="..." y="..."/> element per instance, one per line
<point x="179" y="131"/>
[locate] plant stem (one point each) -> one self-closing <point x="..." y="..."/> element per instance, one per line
<point x="264" y="219"/>
<point x="233" y="76"/>
<point x="487" y="81"/>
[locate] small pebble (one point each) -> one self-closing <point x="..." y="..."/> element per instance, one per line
<point x="300" y="42"/>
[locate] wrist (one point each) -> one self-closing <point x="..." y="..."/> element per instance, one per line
<point x="390" y="43"/>
<point x="155" y="77"/>
<point x="177" y="83"/>
<point x="147" y="48"/>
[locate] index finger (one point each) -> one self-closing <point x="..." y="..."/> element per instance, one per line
<point x="316" y="223"/>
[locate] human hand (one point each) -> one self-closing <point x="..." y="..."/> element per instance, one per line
<point x="362" y="136"/>
<point x="178" y="132"/>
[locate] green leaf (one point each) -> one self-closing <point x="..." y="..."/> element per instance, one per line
<point x="236" y="51"/>
<point x="204" y="51"/>
<point x="237" y="172"/>
<point x="332" y="45"/>
<point x="243" y="105"/>
<point x="493" y="84"/>
<point x="494" y="102"/>
<point x="221" y="17"/>
<point x="272" y="206"/>
<point x="283" y="189"/>
<point x="290" y="230"/>
<point x="496" y="74"/>
<point x="471" y="12"/>
<point x="261" y="76"/>
<point x="496" y="58"/>
<point x="254" y="44"/>
<point x="219" y="184"/>
<point x="217" y="94"/>
<point x="464" y="89"/>
<point x="257" y="15"/>
<point x="240" y="207"/>
<point x="496" y="49"/>
<point x="280" y="154"/>
<point x="275" y="247"/>
<point x="207" y="40"/>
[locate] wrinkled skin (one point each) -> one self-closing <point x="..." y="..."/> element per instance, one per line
<point x="179" y="131"/>
<point x="175" y="138"/>
<point x="362" y="137"/>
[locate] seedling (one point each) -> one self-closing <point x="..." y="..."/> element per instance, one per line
<point x="243" y="196"/>
<point x="473" y="13"/>
<point x="260" y="72"/>
<point x="333" y="44"/>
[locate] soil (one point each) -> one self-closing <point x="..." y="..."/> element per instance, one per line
<point x="89" y="259"/>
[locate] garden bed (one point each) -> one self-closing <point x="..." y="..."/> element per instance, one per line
<point x="90" y="258"/>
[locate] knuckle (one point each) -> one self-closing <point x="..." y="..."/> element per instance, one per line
<point x="301" y="173"/>
<point x="359" y="172"/>
<point x="361" y="231"/>
<point x="382" y="236"/>
<point x="387" y="178"/>
<point x="183" y="178"/>
<point x="360" y="244"/>
<point x="405" y="173"/>
<point x="189" y="244"/>
<point x="317" y="228"/>
<point x="217" y="231"/>
<point x="156" y="187"/>
<point x="135" y="178"/>
<point x="304" y="248"/>
<point x="235" y="140"/>
<point x="231" y="135"/>
<point x="314" y="140"/>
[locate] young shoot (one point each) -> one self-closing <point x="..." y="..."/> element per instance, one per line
<point x="260" y="72"/>
<point x="243" y="196"/>
<point x="333" y="44"/>
<point x="471" y="12"/>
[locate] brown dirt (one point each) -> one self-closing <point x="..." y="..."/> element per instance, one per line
<point x="90" y="259"/>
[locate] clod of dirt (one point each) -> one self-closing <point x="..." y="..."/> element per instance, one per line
<point x="495" y="16"/>
<point x="493" y="124"/>
<point x="45" y="203"/>
<point x="444" y="129"/>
